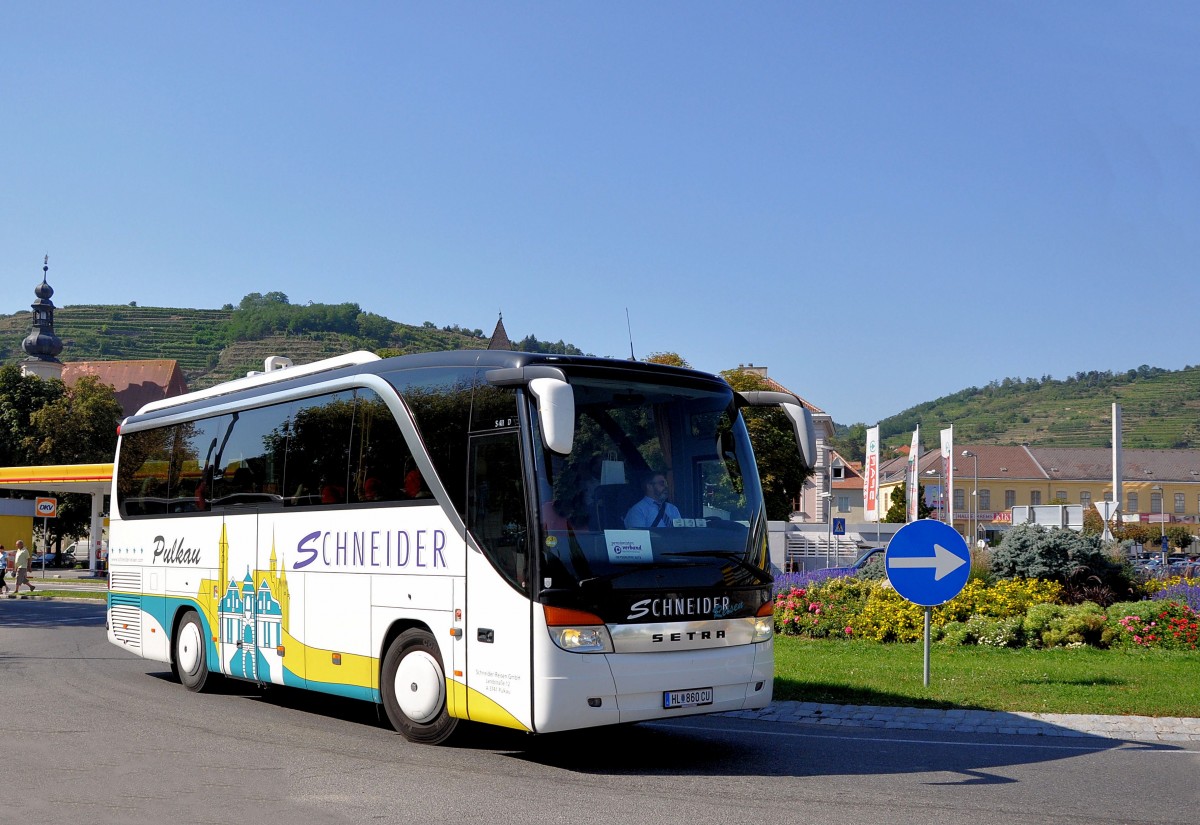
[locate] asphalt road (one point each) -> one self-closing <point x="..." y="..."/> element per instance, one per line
<point x="94" y="735"/>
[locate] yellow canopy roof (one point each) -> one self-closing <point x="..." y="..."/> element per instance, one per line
<point x="63" y="478"/>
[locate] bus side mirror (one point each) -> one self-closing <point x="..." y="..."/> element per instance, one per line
<point x="806" y="438"/>
<point x="797" y="413"/>
<point x="556" y="412"/>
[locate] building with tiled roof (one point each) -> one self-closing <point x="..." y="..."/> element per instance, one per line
<point x="136" y="382"/>
<point x="1157" y="485"/>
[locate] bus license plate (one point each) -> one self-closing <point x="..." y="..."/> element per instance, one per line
<point x="687" y="698"/>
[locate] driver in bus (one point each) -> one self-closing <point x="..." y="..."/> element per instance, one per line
<point x="654" y="510"/>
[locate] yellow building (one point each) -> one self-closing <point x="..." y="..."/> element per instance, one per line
<point x="1158" y="486"/>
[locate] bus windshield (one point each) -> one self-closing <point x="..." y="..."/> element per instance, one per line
<point x="660" y="492"/>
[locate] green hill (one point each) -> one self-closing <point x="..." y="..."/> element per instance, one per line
<point x="1159" y="409"/>
<point x="214" y="345"/>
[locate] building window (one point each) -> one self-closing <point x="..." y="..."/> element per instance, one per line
<point x="1035" y="497"/>
<point x="959" y="499"/>
<point x="985" y="499"/>
<point x="1132" y="504"/>
<point x="843" y="504"/>
<point x="1010" y="499"/>
<point x="1179" y="503"/>
<point x="1108" y="495"/>
<point x="1060" y="495"/>
<point x="838" y="471"/>
<point x="1085" y="498"/>
<point x="1156" y="503"/>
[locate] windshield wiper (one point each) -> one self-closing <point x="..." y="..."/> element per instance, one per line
<point x="637" y="568"/>
<point x="736" y="558"/>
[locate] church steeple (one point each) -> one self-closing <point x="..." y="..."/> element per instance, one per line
<point x="42" y="345"/>
<point x="500" y="337"/>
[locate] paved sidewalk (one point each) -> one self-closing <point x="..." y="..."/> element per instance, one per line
<point x="1138" y="728"/>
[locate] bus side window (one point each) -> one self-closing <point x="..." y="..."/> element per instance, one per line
<point x="380" y="461"/>
<point x="496" y="508"/>
<point x="318" y="450"/>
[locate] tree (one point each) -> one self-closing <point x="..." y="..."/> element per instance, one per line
<point x="77" y="427"/>
<point x="780" y="467"/>
<point x="671" y="359"/>
<point x="852" y="443"/>
<point x="1179" y="537"/>
<point x="20" y="397"/>
<point x="898" y="505"/>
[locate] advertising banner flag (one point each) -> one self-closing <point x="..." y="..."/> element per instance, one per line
<point x="871" y="476"/>
<point x="913" y="487"/>
<point x="948" y="473"/>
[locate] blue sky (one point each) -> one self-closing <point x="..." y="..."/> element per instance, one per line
<point x="884" y="203"/>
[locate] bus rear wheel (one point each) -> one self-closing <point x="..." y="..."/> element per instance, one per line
<point x="413" y="684"/>
<point x="190" y="662"/>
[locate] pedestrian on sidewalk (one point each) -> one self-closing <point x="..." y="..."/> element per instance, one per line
<point x="22" y="565"/>
<point x="3" y="570"/>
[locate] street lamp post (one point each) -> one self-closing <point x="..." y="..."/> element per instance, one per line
<point x="974" y="492"/>
<point x="828" y="496"/>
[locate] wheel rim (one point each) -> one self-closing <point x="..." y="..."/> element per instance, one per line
<point x="189" y="648"/>
<point x="419" y="686"/>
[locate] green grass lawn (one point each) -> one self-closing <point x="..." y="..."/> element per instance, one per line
<point x="1076" y="680"/>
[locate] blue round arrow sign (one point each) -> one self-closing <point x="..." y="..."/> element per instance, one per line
<point x="928" y="562"/>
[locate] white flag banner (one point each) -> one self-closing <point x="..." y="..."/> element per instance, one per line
<point x="913" y="487"/>
<point x="871" y="476"/>
<point x="948" y="474"/>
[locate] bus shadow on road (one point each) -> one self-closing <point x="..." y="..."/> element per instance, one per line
<point x="725" y="746"/>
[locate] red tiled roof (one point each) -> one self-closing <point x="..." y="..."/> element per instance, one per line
<point x="136" y="382"/>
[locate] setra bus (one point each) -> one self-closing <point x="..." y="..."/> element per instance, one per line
<point x="450" y="535"/>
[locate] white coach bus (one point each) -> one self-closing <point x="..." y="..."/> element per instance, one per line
<point x="451" y="535"/>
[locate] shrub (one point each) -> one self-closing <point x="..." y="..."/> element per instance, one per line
<point x="1185" y="591"/>
<point x="984" y="630"/>
<point x="1072" y="559"/>
<point x="827" y="610"/>
<point x="804" y="579"/>
<point x="1081" y="624"/>
<point x="1155" y="623"/>
<point x="1004" y="598"/>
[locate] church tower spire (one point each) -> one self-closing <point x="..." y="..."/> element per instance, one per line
<point x="41" y="344"/>
<point x="500" y="338"/>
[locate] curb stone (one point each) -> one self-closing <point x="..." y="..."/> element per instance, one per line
<point x="1138" y="728"/>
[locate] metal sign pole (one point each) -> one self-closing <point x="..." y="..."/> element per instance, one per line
<point x="928" y="617"/>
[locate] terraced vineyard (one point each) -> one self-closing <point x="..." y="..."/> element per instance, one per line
<point x="1160" y="408"/>
<point x="197" y="339"/>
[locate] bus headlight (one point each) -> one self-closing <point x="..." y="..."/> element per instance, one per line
<point x="577" y="631"/>
<point x="764" y="626"/>
<point x="764" y="622"/>
<point x="582" y="639"/>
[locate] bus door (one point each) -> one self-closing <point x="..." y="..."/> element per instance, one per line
<point x="498" y="616"/>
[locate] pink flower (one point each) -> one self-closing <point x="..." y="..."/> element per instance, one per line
<point x="849" y="631"/>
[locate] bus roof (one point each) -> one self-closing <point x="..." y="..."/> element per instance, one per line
<point x="279" y="379"/>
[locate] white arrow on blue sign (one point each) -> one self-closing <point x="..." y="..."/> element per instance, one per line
<point x="928" y="562"/>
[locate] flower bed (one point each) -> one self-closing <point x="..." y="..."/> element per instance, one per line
<point x="1006" y="613"/>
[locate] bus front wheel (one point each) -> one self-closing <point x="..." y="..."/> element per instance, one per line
<point x="190" y="662"/>
<point x="413" y="684"/>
